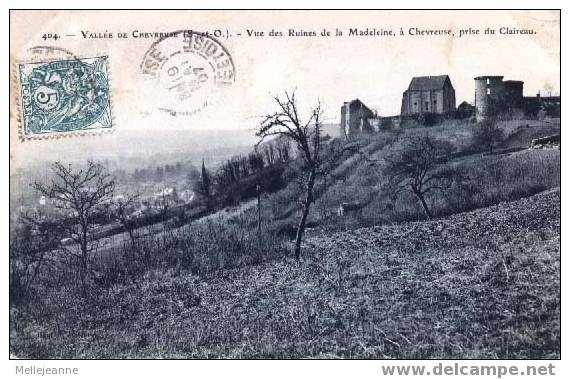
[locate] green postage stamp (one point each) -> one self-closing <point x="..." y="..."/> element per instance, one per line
<point x="64" y="96"/>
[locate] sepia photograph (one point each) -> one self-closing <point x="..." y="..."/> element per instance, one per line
<point x="295" y="184"/>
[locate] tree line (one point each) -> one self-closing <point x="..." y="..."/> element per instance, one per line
<point x="242" y="176"/>
<point x="158" y="173"/>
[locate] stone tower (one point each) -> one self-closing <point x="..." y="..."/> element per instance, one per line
<point x="489" y="92"/>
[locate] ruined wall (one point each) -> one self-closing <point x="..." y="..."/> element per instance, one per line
<point x="430" y="101"/>
<point x="513" y="94"/>
<point x="450" y="106"/>
<point x="415" y="102"/>
<point x="438" y="102"/>
<point x="354" y="119"/>
<point x="344" y="127"/>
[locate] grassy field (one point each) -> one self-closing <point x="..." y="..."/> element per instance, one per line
<point x="482" y="284"/>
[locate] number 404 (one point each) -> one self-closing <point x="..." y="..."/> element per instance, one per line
<point x="53" y="36"/>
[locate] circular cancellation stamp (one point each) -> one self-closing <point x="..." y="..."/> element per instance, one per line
<point x="186" y="69"/>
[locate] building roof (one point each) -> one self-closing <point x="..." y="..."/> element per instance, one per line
<point x="465" y="104"/>
<point x="485" y="77"/>
<point x="428" y="83"/>
<point x="358" y="101"/>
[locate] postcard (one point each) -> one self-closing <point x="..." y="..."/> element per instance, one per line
<point x="285" y="184"/>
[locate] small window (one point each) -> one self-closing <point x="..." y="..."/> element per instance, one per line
<point x="488" y="81"/>
<point x="427" y="105"/>
<point x="488" y="91"/>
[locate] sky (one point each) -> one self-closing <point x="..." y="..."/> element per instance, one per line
<point x="331" y="69"/>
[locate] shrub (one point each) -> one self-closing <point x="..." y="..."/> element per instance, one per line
<point x="487" y="135"/>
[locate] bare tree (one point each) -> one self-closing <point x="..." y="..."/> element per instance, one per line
<point x="417" y="168"/>
<point x="306" y="136"/>
<point x="81" y="195"/>
<point x="123" y="208"/>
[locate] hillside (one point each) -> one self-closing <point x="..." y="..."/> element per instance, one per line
<point x="490" y="178"/>
<point x="482" y="280"/>
<point x="482" y="284"/>
<point x="504" y="175"/>
<point x="524" y="134"/>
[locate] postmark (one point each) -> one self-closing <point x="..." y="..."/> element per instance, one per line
<point x="49" y="53"/>
<point x="186" y="68"/>
<point x="64" y="96"/>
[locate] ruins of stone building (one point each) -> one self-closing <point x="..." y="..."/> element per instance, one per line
<point x="428" y="94"/>
<point x="355" y="118"/>
<point x="542" y="106"/>
<point x="495" y="97"/>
